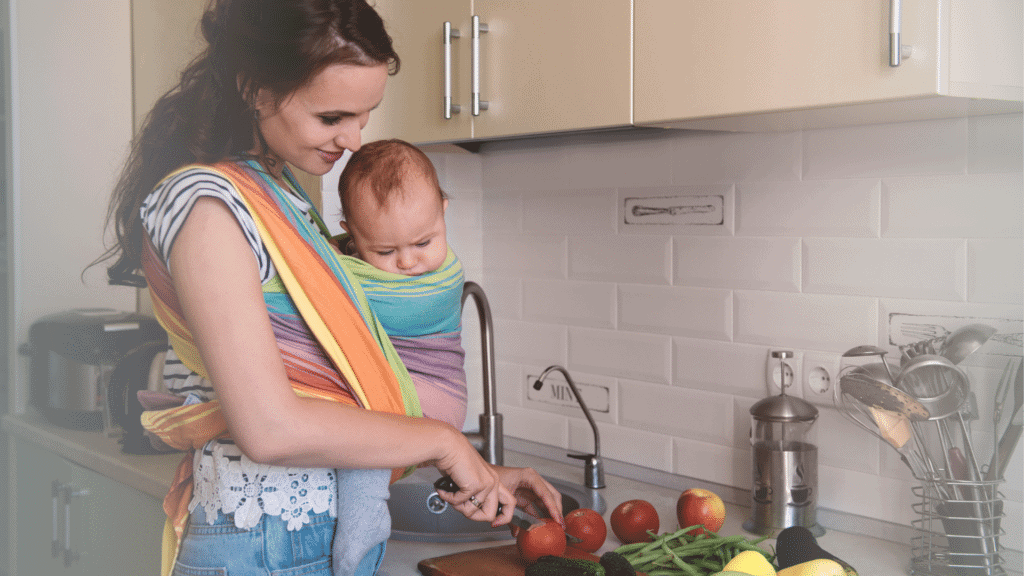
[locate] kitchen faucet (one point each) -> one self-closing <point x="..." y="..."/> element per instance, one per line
<point x="593" y="468"/>
<point x="490" y="440"/>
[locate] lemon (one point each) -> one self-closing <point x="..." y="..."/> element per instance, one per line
<point x="750" y="562"/>
<point x="819" y="567"/>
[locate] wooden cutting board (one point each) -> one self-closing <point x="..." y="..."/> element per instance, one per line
<point x="495" y="561"/>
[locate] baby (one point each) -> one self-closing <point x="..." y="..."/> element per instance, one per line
<point x="394" y="209"/>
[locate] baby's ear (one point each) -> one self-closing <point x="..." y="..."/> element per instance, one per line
<point x="344" y="226"/>
<point x="444" y="205"/>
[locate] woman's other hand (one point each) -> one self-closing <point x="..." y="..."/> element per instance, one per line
<point x="535" y="495"/>
<point x="480" y="486"/>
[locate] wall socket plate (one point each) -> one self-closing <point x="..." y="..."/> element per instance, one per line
<point x="793" y="380"/>
<point x="820" y="376"/>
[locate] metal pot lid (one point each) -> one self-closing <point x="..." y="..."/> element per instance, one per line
<point x="783" y="408"/>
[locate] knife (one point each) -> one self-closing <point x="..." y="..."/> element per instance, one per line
<point x="519" y="518"/>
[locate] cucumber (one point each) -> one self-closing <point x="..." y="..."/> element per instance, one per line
<point x="558" y="566"/>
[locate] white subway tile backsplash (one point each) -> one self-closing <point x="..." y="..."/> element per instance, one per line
<point x="741" y="427"/>
<point x="572" y="303"/>
<point x="743" y="263"/>
<point x="504" y="296"/>
<point x="504" y="213"/>
<point x="820" y="240"/>
<point x="693" y="414"/>
<point x="540" y="427"/>
<point x="511" y="166"/>
<point x="464" y="212"/>
<point x="833" y="208"/>
<point x="866" y="495"/>
<point x="926" y="147"/>
<point x="994" y="143"/>
<point x="710" y="157"/>
<point x="575" y="213"/>
<point x="724" y="367"/>
<point x="903" y="268"/>
<point x="644" y="357"/>
<point x="638" y="447"/>
<point x="461" y="171"/>
<point x="643" y="160"/>
<point x="530" y="343"/>
<point x="973" y="206"/>
<point x="812" y="321"/>
<point x="844" y="444"/>
<point x="640" y="259"/>
<point x="711" y="462"/>
<point x="693" y="312"/>
<point x="509" y="378"/>
<point x="995" y="271"/>
<point x="718" y="198"/>
<point x="533" y="256"/>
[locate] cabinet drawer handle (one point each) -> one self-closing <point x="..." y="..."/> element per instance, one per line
<point x="897" y="51"/>
<point x="56" y="488"/>
<point x="69" y="493"/>
<point x="449" y="108"/>
<point x="478" y="28"/>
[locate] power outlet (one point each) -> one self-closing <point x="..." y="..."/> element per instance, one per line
<point x="820" y="376"/>
<point x="775" y="368"/>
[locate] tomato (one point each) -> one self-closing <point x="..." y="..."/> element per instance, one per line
<point x="587" y="525"/>
<point x="699" y="506"/>
<point x="632" y="519"/>
<point x="542" y="539"/>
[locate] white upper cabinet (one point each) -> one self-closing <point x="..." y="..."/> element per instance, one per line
<point x="544" y="66"/>
<point x="790" y="64"/>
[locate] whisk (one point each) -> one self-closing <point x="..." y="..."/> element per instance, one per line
<point x="885" y="412"/>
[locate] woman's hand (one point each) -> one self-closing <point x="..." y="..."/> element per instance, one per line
<point x="535" y="495"/>
<point x="480" y="487"/>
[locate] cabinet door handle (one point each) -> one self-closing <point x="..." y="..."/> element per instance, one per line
<point x="69" y="493"/>
<point x="478" y="28"/>
<point x="56" y="488"/>
<point x="897" y="51"/>
<point x="449" y="108"/>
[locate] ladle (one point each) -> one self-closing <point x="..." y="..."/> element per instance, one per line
<point x="964" y="341"/>
<point x="943" y="389"/>
<point x="869" y="350"/>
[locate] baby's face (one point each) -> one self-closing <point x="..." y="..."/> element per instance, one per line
<point x="407" y="237"/>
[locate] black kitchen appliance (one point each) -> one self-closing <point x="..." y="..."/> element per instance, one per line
<point x="72" y="356"/>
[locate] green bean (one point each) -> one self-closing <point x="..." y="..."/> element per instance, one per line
<point x="668" y="536"/>
<point x="649" y="557"/>
<point x="626" y="548"/>
<point x="690" y="570"/>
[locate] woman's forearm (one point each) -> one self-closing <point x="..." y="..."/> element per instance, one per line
<point x="319" y="433"/>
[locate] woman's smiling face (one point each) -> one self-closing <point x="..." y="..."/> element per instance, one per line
<point x="313" y="127"/>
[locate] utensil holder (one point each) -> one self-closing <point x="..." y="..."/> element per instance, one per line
<point x="957" y="537"/>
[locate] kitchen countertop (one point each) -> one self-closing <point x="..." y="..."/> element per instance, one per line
<point x="152" y="474"/>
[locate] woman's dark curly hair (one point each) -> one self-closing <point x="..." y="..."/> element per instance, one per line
<point x="274" y="45"/>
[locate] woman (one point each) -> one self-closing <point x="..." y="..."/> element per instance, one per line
<point x="282" y="81"/>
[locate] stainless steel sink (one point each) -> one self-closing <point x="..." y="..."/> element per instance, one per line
<point x="419" y="515"/>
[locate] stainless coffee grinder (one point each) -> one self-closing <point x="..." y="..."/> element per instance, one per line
<point x="785" y="466"/>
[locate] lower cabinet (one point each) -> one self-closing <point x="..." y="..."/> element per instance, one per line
<point x="71" y="520"/>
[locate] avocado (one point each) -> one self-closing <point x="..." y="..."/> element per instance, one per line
<point x="796" y="545"/>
